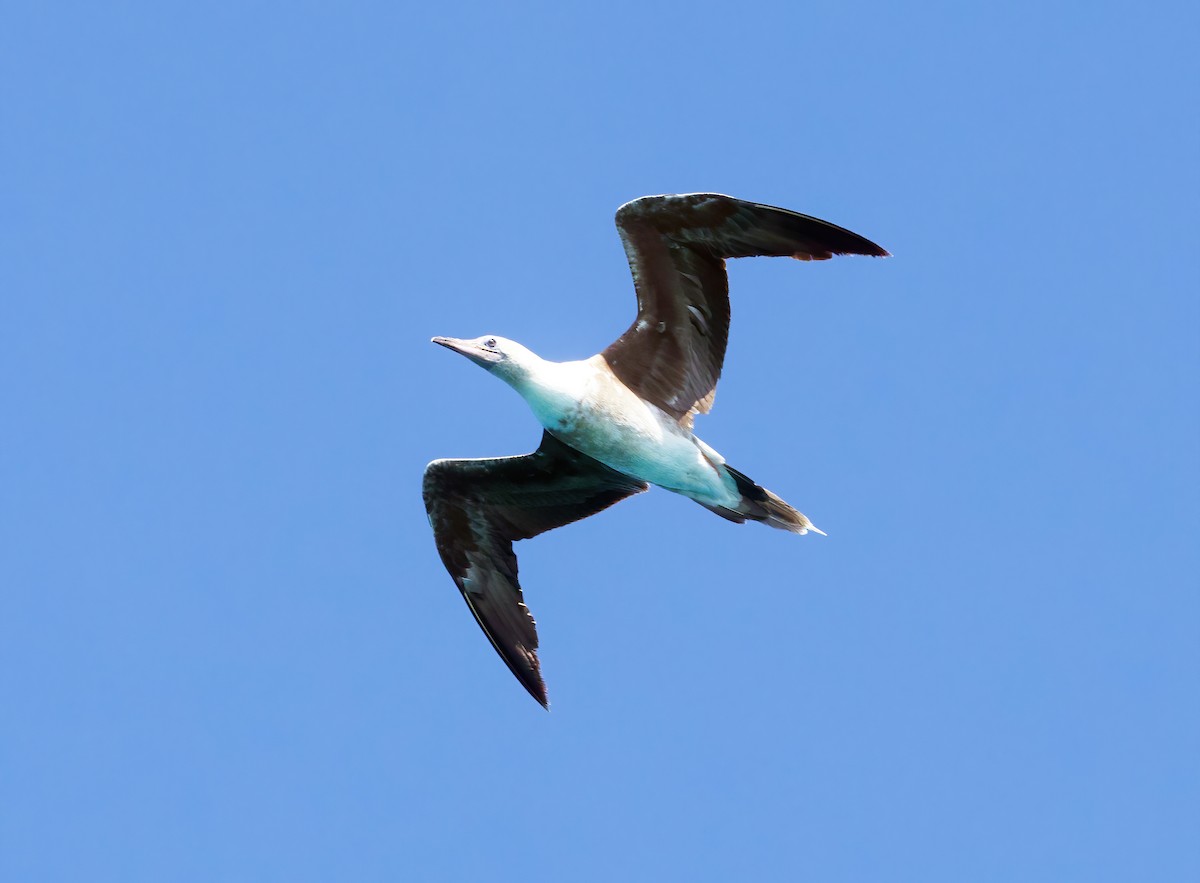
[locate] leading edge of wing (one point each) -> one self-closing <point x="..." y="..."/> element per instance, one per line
<point x="728" y="227"/>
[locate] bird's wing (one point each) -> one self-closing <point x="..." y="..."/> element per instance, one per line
<point x="477" y="508"/>
<point x="677" y="245"/>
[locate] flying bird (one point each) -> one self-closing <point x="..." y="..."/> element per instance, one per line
<point x="620" y="421"/>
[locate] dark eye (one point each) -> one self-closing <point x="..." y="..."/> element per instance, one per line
<point x="490" y="343"/>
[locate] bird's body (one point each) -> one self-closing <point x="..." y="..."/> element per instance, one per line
<point x="584" y="405"/>
<point x="622" y="420"/>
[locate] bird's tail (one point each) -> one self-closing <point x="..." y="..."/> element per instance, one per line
<point x="759" y="504"/>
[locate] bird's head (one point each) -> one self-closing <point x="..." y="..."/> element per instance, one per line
<point x="503" y="357"/>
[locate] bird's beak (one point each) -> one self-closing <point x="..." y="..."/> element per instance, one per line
<point x="469" y="348"/>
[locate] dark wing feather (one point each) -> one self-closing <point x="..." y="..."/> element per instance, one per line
<point x="677" y="245"/>
<point x="478" y="508"/>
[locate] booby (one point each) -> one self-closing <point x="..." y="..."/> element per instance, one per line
<point x="622" y="420"/>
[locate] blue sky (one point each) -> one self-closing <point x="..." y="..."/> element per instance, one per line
<point x="228" y="650"/>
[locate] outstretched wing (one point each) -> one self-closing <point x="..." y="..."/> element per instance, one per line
<point x="677" y="245"/>
<point x="478" y="508"/>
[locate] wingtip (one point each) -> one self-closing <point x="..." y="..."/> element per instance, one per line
<point x="869" y="249"/>
<point x="854" y="244"/>
<point x="866" y="249"/>
<point x="534" y="685"/>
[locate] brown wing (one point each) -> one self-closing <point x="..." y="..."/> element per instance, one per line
<point x="477" y="508"/>
<point x="677" y="245"/>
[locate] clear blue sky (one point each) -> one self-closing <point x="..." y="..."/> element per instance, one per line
<point x="228" y="650"/>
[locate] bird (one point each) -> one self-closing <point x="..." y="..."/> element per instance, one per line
<point x="622" y="420"/>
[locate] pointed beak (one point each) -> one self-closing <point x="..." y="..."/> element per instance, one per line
<point x="468" y="348"/>
<point x="463" y="347"/>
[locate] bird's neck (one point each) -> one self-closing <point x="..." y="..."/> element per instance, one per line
<point x="553" y="390"/>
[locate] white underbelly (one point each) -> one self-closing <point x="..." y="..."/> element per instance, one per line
<point x="644" y="442"/>
<point x="585" y="405"/>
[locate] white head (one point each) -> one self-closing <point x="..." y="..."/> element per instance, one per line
<point x="505" y="358"/>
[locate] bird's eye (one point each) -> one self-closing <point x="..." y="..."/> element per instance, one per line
<point x="490" y="343"/>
